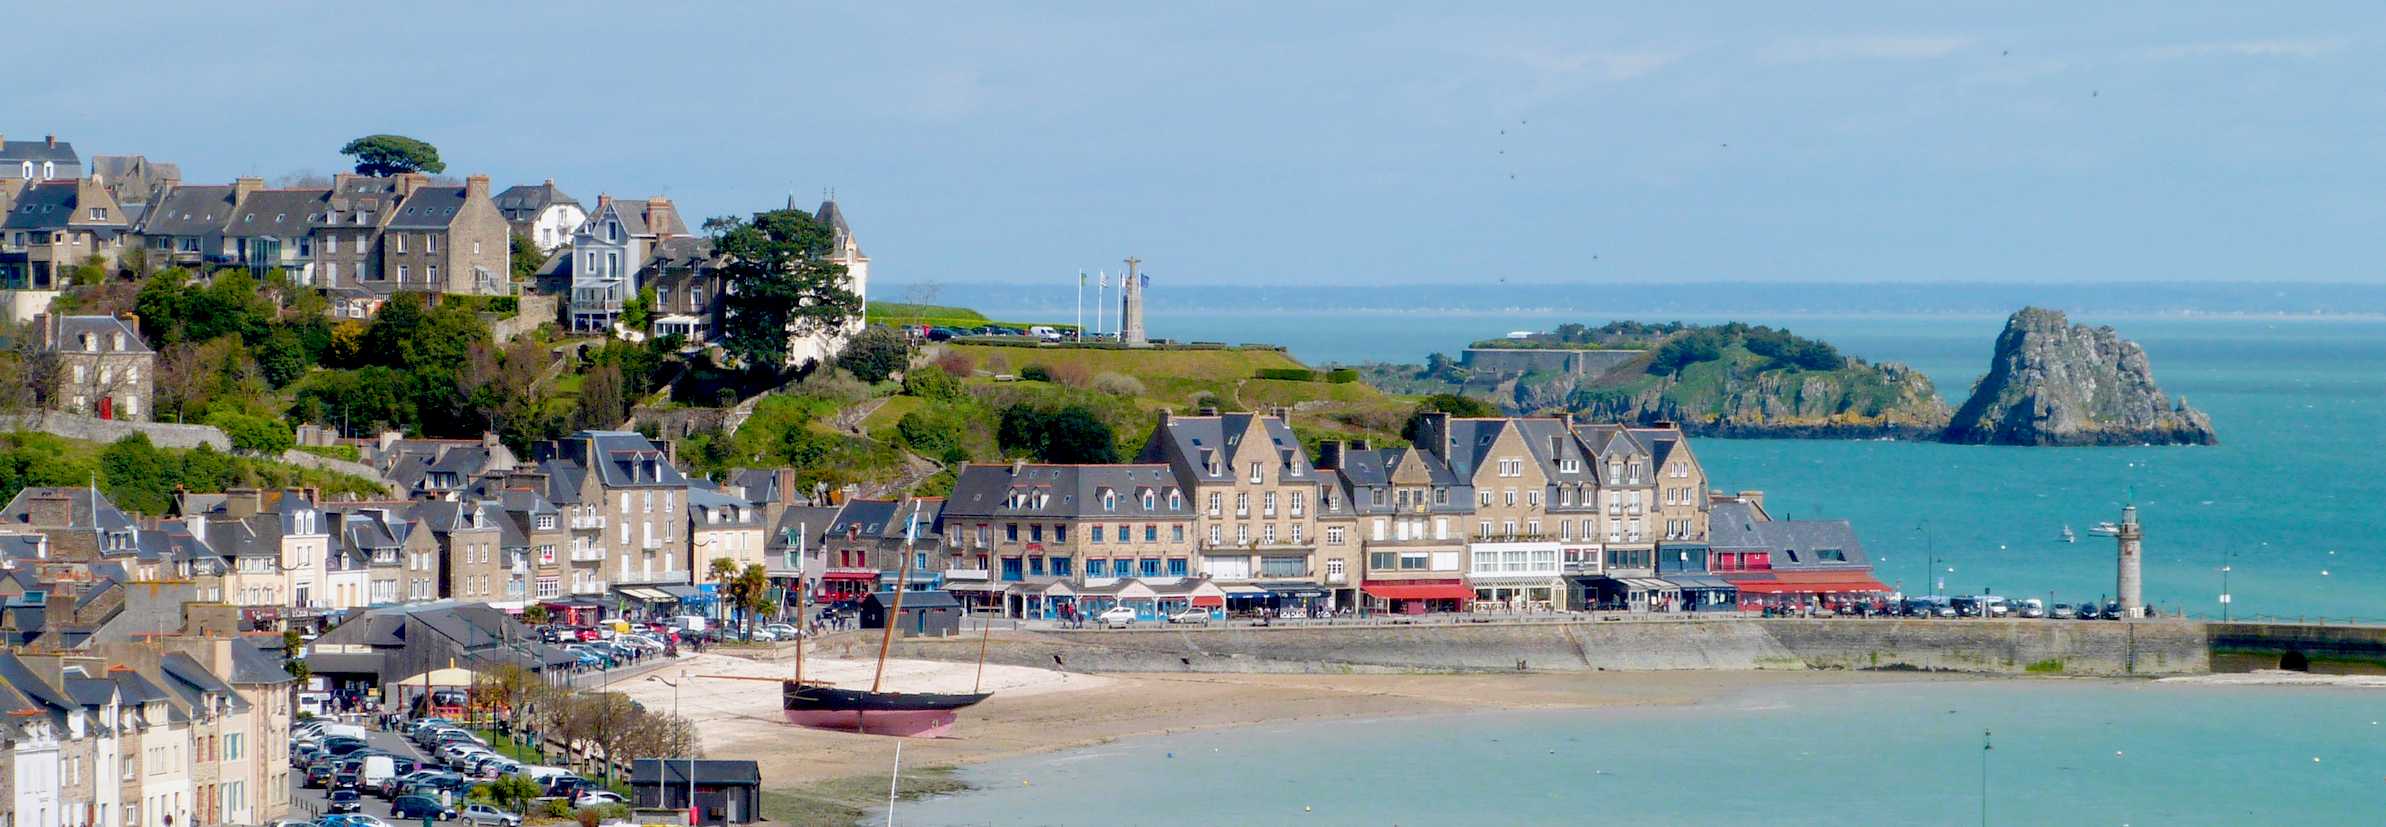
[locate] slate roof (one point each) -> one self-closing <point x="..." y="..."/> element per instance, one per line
<point x="808" y="520"/>
<point x="83" y="504"/>
<point x="680" y="252"/>
<point x="525" y="201"/>
<point x="51" y="205"/>
<point x="1735" y="525"/>
<point x="563" y="481"/>
<point x="189" y="210"/>
<point x="133" y="179"/>
<point x="37" y="151"/>
<point x="429" y="208"/>
<point x="867" y="518"/>
<point x="21" y="546"/>
<point x="618" y="456"/>
<point x="1187" y="442"/>
<point x="708" y="771"/>
<point x="279" y="213"/>
<point x="186" y="676"/>
<point x="105" y="331"/>
<point x="1065" y="492"/>
<point x="713" y="509"/>
<point x="252" y="665"/>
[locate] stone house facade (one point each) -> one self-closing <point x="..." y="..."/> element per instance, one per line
<point x="102" y="367"/>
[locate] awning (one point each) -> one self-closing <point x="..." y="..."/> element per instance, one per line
<point x="684" y="592"/>
<point x="643" y="594"/>
<point x="1245" y="591"/>
<point x="1647" y="584"/>
<point x="1846" y="585"/>
<point x="1301" y="590"/>
<point x="1701" y="582"/>
<point x="850" y="575"/>
<point x="1419" y="591"/>
<point x="972" y="586"/>
<point x="1208" y="601"/>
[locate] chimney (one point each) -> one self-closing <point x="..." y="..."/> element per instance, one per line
<point x="1755" y="498"/>
<point x="1436" y="428"/>
<point x="489" y="441"/>
<point x="242" y="502"/>
<point x="408" y="182"/>
<point x="52" y="140"/>
<point x="1329" y="454"/>
<point x="47" y="323"/>
<point x="1017" y="466"/>
<point x="550" y="183"/>
<point x="660" y="215"/>
<point x="476" y="188"/>
<point x="1165" y="413"/>
<point x="786" y="485"/>
<point x="241" y="187"/>
<point x="53" y="509"/>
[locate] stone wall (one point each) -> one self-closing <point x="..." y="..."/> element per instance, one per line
<point x="95" y="429"/>
<point x="1987" y="646"/>
<point x="536" y="309"/>
<point x="1576" y="362"/>
<point x="2340" y="650"/>
<point x="20" y="306"/>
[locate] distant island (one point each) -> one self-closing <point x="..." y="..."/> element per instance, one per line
<point x="2049" y="384"/>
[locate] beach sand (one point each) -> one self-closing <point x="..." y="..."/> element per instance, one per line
<point x="836" y="774"/>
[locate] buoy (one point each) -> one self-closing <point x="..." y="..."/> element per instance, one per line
<point x="1305" y="808"/>
<point x="2315" y="759"/>
<point x="1172" y="755"/>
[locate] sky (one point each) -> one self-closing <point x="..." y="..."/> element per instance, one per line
<point x="1362" y="143"/>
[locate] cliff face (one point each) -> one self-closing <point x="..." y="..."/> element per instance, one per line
<point x="1857" y="402"/>
<point x="2056" y="383"/>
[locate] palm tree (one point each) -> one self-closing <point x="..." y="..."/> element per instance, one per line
<point x="723" y="572"/>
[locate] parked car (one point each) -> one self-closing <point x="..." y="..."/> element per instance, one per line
<point x="2033" y="608"/>
<point x="1995" y="606"/>
<point x="409" y="807"/>
<point x="487" y="816"/>
<point x="1195" y="615"/>
<point x="598" y="798"/>
<point x="1117" y="617"/>
<point x="342" y="745"/>
<point x="2112" y="610"/>
<point x="783" y="631"/>
<point x="2061" y="611"/>
<point x="343" y="801"/>
<point x="318" y="775"/>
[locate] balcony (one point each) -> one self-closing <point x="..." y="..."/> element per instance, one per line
<point x="596" y="522"/>
<point x="966" y="574"/>
<point x="652" y="544"/>
<point x="1333" y="579"/>
<point x="588" y="555"/>
<point x="590" y="587"/>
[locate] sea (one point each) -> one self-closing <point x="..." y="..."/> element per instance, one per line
<point x="2282" y="516"/>
<point x="2054" y="751"/>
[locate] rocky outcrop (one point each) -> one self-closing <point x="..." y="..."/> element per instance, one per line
<point x="1883" y="401"/>
<point x="2056" y="383"/>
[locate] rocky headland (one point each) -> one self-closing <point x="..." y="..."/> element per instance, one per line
<point x="2052" y="382"/>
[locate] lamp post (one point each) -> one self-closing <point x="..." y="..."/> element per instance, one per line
<point x="2225" y="567"/>
<point x="693" y="818"/>
<point x="1930" y="554"/>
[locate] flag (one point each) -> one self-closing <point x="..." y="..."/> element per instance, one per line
<point x="1102" y="279"/>
<point x="1147" y="282"/>
<point x="1081" y="278"/>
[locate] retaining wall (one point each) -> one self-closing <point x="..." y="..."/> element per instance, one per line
<point x="1987" y="646"/>
<point x="2340" y="650"/>
<point x="95" y="429"/>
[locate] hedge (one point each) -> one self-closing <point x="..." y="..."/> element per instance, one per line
<point x="1288" y="374"/>
<point x="1342" y="376"/>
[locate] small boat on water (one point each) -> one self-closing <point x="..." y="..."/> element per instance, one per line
<point x="2068" y="535"/>
<point x="817" y="705"/>
<point x="2106" y="529"/>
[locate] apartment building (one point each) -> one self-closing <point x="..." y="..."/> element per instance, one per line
<point x="446" y="239"/>
<point x="1254" y="494"/>
<point x="1407" y="521"/>
<point x="631" y="486"/>
<point x="363" y="235"/>
<point x="541" y="213"/>
<point x="1038" y="536"/>
<point x="721" y="526"/>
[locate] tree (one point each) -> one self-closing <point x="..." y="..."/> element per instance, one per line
<point x="602" y="405"/>
<point x="524" y="258"/>
<point x="786" y="284"/>
<point x="751" y="593"/>
<point x="875" y="354"/>
<point x="139" y="475"/>
<point x="638" y="313"/>
<point x="1449" y="403"/>
<point x="512" y="792"/>
<point x="393" y="154"/>
<point x="536" y="614"/>
<point x="282" y="357"/>
<point x="935" y="385"/>
<point x="1072" y="434"/>
<point x="253" y="434"/>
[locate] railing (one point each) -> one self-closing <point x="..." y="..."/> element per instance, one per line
<point x="652" y="543"/>
<point x="1332" y="578"/>
<point x="588" y="555"/>
<point x="591" y="587"/>
<point x="586" y="522"/>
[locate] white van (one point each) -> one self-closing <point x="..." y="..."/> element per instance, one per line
<point x="1044" y="332"/>
<point x="540" y="774"/>
<point x="688" y="623"/>
<point x="374" y="770"/>
<point x="341" y="730"/>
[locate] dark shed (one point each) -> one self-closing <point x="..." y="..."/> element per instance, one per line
<point x="729" y="791"/>
<point x="925" y="614"/>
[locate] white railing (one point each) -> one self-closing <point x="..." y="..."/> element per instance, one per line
<point x="587" y="522"/>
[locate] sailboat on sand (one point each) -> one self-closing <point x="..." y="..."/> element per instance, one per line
<point x="875" y="712"/>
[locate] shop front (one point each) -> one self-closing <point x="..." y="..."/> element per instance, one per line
<point x="1038" y="600"/>
<point x="846" y="586"/>
<point x="645" y="602"/>
<point x="577" y="611"/>
<point x="1633" y="594"/>
<point x="1517" y="593"/>
<point x="1416" y="597"/>
<point x="1784" y="591"/>
<point x="1190" y="593"/>
<point x="1704" y="593"/>
<point x="1131" y="593"/>
<point x="1299" y="599"/>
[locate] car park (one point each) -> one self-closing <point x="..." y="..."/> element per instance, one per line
<point x="784" y="631"/>
<point x="2112" y="610"/>
<point x="342" y="745"/>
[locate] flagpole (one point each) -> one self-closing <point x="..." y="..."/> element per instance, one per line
<point x="1081" y="304"/>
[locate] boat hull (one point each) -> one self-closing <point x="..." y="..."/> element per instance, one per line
<point x="902" y="714"/>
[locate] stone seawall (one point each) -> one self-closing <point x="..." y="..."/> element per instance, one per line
<point x="2339" y="650"/>
<point x="1986" y="646"/>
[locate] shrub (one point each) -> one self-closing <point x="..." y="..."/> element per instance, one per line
<point x="932" y="384"/>
<point x="957" y="364"/>
<point x="559" y="808"/>
<point x="1342" y="376"/>
<point x="1036" y="373"/>
<point x="933" y="432"/>
<point x="877" y="353"/>
<point x="254" y="434"/>
<point x="1072" y="374"/>
<point x="1118" y="384"/>
<point x="1288" y="374"/>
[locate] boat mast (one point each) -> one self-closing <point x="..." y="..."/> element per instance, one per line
<point x="985" y="628"/>
<point x="894" y="613"/>
<point x="803" y="621"/>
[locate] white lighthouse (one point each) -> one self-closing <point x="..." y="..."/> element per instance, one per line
<point x="2129" y="579"/>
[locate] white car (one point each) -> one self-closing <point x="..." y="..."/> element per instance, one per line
<point x="763" y="633"/>
<point x="483" y="815"/>
<point x="599" y="798"/>
<point x="782" y="631"/>
<point x="1116" y="617"/>
<point x="1191" y="616"/>
<point x="639" y="642"/>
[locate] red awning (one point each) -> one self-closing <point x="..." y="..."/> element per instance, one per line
<point x="1838" y="585"/>
<point x="1209" y="601"/>
<point x="849" y="575"/>
<point x="1420" y="591"/>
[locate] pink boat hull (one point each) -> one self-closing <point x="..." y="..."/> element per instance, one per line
<point x="908" y="723"/>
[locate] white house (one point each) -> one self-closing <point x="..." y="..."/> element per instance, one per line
<point x="542" y="214"/>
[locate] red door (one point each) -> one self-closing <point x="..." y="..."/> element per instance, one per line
<point x="107" y="407"/>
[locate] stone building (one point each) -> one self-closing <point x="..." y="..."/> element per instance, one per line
<point x="1016" y="530"/>
<point x="54" y="226"/>
<point x="447" y="240"/>
<point x="102" y="367"/>
<point x="1253" y="492"/>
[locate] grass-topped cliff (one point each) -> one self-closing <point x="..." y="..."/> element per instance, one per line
<point x="1731" y="379"/>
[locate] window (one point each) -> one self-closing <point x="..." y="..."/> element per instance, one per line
<point x="1035" y="533"/>
<point x="1148" y="567"/>
<point x="1176" y="533"/>
<point x="1109" y="501"/>
<point x="1062" y="566"/>
<point x="1333" y="535"/>
<point x="1214" y="536"/>
<point x="1176" y="501"/>
<point x="1300" y="502"/>
<point x="401" y="272"/>
<point x="1060" y="533"/>
<point x="1242" y="503"/>
<point x="1268" y="504"/>
<point x="1010" y="532"/>
<point x="1151" y="532"/>
<point x="1097" y="567"/>
<point x="1150" y="502"/>
<point x="430" y="243"/>
<point x="1035" y="566"/>
<point x="1176" y="567"/>
<point x="1296" y="533"/>
<point x="1486" y="497"/>
<point x="1383" y="560"/>
<point x="431" y="273"/>
<point x="1242" y="533"/>
<point x="1532" y="497"/>
<point x="1097" y="536"/>
<point x="1255" y="473"/>
<point x="99" y="213"/>
<point x="1334" y="569"/>
<point x="1508" y="497"/>
<point x="1267" y="533"/>
<point x="397" y="242"/>
<point x="1483" y="529"/>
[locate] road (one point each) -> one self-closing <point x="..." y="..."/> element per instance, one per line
<point x="309" y="802"/>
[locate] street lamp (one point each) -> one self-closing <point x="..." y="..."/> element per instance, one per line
<point x="1930" y="553"/>
<point x="2225" y="567"/>
<point x="693" y="818"/>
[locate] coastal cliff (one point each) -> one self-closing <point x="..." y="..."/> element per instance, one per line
<point x="2051" y="382"/>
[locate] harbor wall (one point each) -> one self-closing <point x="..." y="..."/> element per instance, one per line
<point x="1983" y="646"/>
<point x="2335" y="650"/>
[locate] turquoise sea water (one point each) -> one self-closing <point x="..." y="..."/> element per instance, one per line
<point x="2065" y="752"/>
<point x="2293" y="492"/>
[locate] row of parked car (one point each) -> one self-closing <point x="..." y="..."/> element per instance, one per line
<point x="1990" y="605"/>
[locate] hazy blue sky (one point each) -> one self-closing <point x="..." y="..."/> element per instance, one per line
<point x="1345" y="143"/>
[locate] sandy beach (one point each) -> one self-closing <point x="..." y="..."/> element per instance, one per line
<point x="736" y="704"/>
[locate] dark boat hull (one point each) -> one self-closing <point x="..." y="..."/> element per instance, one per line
<point x="902" y="714"/>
